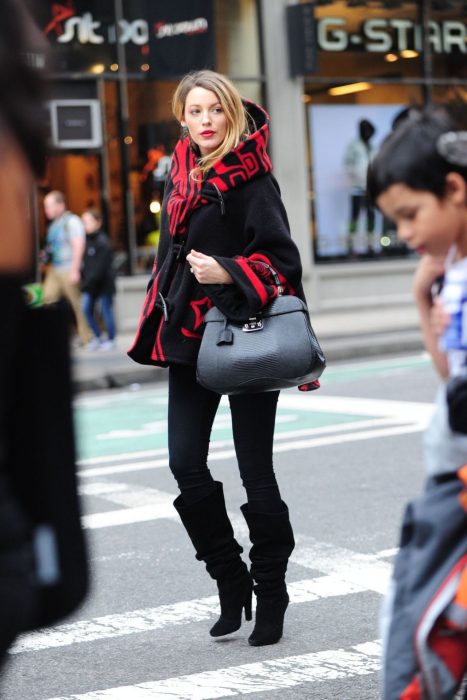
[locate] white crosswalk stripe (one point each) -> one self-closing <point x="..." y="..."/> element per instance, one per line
<point x="151" y="619"/>
<point x="262" y="677"/>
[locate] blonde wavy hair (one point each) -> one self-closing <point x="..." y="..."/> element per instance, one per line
<point x="232" y="106"/>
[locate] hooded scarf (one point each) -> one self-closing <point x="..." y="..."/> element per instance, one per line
<point x="243" y="163"/>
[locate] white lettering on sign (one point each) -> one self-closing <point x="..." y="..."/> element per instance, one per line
<point x="381" y="35"/>
<point x="376" y="30"/>
<point x="454" y="34"/>
<point x="330" y="38"/>
<point x="193" y="26"/>
<point x="84" y="28"/>
<point x="402" y="27"/>
<point x="137" y="32"/>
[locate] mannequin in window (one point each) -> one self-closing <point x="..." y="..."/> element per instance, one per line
<point x="357" y="157"/>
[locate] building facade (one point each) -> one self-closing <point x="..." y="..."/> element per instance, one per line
<point x="115" y="64"/>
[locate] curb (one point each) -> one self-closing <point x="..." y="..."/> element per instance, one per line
<point x="336" y="349"/>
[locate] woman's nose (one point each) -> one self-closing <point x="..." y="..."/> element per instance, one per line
<point x="206" y="117"/>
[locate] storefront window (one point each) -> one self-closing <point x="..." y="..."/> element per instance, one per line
<point x="371" y="69"/>
<point x="133" y="80"/>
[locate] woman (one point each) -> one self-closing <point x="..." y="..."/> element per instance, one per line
<point x="97" y="280"/>
<point x="223" y="226"/>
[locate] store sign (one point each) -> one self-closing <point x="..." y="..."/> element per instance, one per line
<point x="177" y="36"/>
<point x="384" y="35"/>
<point x="301" y="33"/>
<point x="183" y="37"/>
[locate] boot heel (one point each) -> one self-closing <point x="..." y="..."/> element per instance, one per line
<point x="248" y="613"/>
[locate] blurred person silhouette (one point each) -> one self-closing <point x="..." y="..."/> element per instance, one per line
<point x="42" y="554"/>
<point x="419" y="180"/>
<point x="66" y="241"/>
<point x="98" y="281"/>
<point x="356" y="159"/>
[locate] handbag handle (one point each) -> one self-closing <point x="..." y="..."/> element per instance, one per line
<point x="275" y="276"/>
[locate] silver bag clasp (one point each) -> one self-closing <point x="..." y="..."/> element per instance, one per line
<point x="255" y="323"/>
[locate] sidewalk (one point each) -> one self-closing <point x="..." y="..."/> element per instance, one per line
<point x="343" y="336"/>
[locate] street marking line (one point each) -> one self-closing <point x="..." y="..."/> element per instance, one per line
<point x="103" y="459"/>
<point x="128" y="516"/>
<point x="407" y="411"/>
<point x="163" y="616"/>
<point x="142" y="504"/>
<point x="158" y="427"/>
<point x="132" y="496"/>
<point x="218" y="444"/>
<point x="364" y="570"/>
<point x="286" y="672"/>
<point x="278" y="447"/>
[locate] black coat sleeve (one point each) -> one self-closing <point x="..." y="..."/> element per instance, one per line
<point x="267" y="243"/>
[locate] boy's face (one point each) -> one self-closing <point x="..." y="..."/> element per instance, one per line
<point x="426" y="223"/>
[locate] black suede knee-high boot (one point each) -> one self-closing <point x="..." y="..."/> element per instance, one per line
<point x="209" y="528"/>
<point x="273" y="542"/>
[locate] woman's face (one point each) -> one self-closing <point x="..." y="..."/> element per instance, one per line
<point x="91" y="224"/>
<point x="425" y="222"/>
<point x="205" y="119"/>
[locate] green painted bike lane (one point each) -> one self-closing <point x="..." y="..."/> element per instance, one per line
<point x="127" y="421"/>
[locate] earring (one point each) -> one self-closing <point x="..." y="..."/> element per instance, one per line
<point x="185" y="131"/>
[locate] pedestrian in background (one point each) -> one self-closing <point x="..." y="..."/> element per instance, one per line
<point x="98" y="281"/>
<point x="65" y="245"/>
<point x="419" y="180"/>
<point x="224" y="235"/>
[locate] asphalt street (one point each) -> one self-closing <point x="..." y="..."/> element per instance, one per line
<point x="347" y="457"/>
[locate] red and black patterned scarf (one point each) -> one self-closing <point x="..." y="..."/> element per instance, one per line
<point x="245" y="162"/>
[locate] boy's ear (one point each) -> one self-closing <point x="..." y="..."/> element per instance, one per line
<point x="456" y="188"/>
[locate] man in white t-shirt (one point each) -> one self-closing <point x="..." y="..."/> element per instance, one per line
<point x="66" y="239"/>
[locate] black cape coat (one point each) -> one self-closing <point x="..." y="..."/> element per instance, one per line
<point x="239" y="228"/>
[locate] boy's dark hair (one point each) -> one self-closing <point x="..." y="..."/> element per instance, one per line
<point x="410" y="155"/>
<point x="21" y="85"/>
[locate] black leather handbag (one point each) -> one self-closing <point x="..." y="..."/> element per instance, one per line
<point x="276" y="349"/>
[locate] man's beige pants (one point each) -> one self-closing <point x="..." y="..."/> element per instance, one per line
<point x="57" y="285"/>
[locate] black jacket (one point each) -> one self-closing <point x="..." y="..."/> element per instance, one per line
<point x="97" y="274"/>
<point x="240" y="227"/>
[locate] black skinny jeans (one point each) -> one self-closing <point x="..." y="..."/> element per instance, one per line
<point x="192" y="410"/>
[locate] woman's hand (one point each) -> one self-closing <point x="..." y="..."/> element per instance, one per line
<point x="207" y="270"/>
